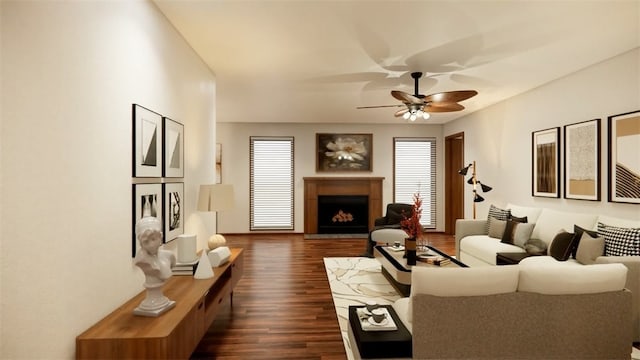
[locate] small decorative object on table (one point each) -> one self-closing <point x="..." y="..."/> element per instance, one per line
<point x="411" y="225"/>
<point x="216" y="240"/>
<point x="156" y="265"/>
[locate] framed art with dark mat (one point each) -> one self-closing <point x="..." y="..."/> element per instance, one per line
<point x="343" y="152"/>
<point x="173" y="210"/>
<point x="545" y="163"/>
<point x="147" y="201"/>
<point x="147" y="142"/>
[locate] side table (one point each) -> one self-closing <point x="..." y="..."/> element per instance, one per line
<point x="380" y="344"/>
<point x="510" y="258"/>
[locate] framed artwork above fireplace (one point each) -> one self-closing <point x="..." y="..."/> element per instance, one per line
<point x="343" y="152"/>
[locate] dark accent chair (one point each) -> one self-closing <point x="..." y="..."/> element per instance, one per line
<point x="395" y="213"/>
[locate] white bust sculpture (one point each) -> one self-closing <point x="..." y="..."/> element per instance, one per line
<point x="156" y="265"/>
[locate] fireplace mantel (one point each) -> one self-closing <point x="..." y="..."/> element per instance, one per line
<point x="314" y="186"/>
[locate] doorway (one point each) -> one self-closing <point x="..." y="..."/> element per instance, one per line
<point x="453" y="182"/>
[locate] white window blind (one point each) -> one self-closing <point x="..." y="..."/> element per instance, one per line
<point x="271" y="183"/>
<point x="415" y="170"/>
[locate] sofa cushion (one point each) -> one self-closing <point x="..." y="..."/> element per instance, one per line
<point x="547" y="260"/>
<point x="561" y="246"/>
<point x="532" y="213"/>
<point x="585" y="279"/>
<point x="551" y="222"/>
<point x="485" y="248"/>
<point x="388" y="236"/>
<point x="589" y="249"/>
<point x="620" y="241"/>
<point x="476" y="281"/>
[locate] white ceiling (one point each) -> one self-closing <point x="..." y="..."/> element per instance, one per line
<point x="316" y="61"/>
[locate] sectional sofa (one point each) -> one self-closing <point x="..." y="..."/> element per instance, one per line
<point x="514" y="312"/>
<point x="475" y="246"/>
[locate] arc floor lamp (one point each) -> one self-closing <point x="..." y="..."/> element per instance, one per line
<point x="473" y="180"/>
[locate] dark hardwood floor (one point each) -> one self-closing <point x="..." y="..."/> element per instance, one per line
<point x="282" y="306"/>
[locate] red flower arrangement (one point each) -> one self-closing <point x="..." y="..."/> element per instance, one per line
<point x="411" y="225"/>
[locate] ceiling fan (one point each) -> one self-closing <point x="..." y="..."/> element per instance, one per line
<point x="418" y="105"/>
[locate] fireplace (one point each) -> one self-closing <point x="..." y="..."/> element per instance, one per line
<point x="343" y="214"/>
<point x="317" y="187"/>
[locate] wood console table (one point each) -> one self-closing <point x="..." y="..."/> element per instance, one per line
<point x="172" y="335"/>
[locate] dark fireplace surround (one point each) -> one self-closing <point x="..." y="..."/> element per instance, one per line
<point x="343" y="214"/>
<point x="332" y="191"/>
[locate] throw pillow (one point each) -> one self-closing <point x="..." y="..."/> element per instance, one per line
<point x="510" y="230"/>
<point x="496" y="228"/>
<point x="561" y="246"/>
<point x="522" y="234"/>
<point x="577" y="230"/>
<point x="497" y="213"/>
<point x="589" y="249"/>
<point x="620" y="241"/>
<point x="519" y="219"/>
<point x="535" y="247"/>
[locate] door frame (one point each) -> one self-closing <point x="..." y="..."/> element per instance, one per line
<point x="453" y="182"/>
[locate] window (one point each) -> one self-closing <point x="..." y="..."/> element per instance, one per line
<point x="271" y="192"/>
<point x="415" y="170"/>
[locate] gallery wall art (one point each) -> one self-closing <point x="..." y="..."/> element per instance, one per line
<point x="173" y="210"/>
<point x="545" y="163"/>
<point x="158" y="153"/>
<point x="343" y="152"/>
<point x="147" y="201"/>
<point x="624" y="158"/>
<point x="173" y="145"/>
<point x="147" y="142"/>
<point x="582" y="160"/>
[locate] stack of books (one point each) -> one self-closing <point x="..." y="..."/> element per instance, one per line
<point x="184" y="269"/>
<point x="435" y="260"/>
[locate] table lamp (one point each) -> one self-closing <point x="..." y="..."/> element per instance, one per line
<point x="215" y="197"/>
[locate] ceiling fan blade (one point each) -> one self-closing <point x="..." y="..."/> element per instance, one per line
<point x="400" y="112"/>
<point x="378" y="106"/>
<point x="443" y="107"/>
<point x="405" y="98"/>
<point x="450" y="96"/>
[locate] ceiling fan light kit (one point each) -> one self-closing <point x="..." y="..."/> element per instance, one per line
<point x="420" y="106"/>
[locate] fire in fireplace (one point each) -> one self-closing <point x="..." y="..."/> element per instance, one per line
<point x="343" y="214"/>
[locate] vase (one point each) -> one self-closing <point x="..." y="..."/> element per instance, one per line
<point x="410" y="250"/>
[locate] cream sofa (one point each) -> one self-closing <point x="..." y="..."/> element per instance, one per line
<point x="514" y="312"/>
<point x="475" y="248"/>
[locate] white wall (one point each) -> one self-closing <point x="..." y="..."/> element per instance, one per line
<point x="234" y="138"/>
<point x="499" y="137"/>
<point x="70" y="72"/>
